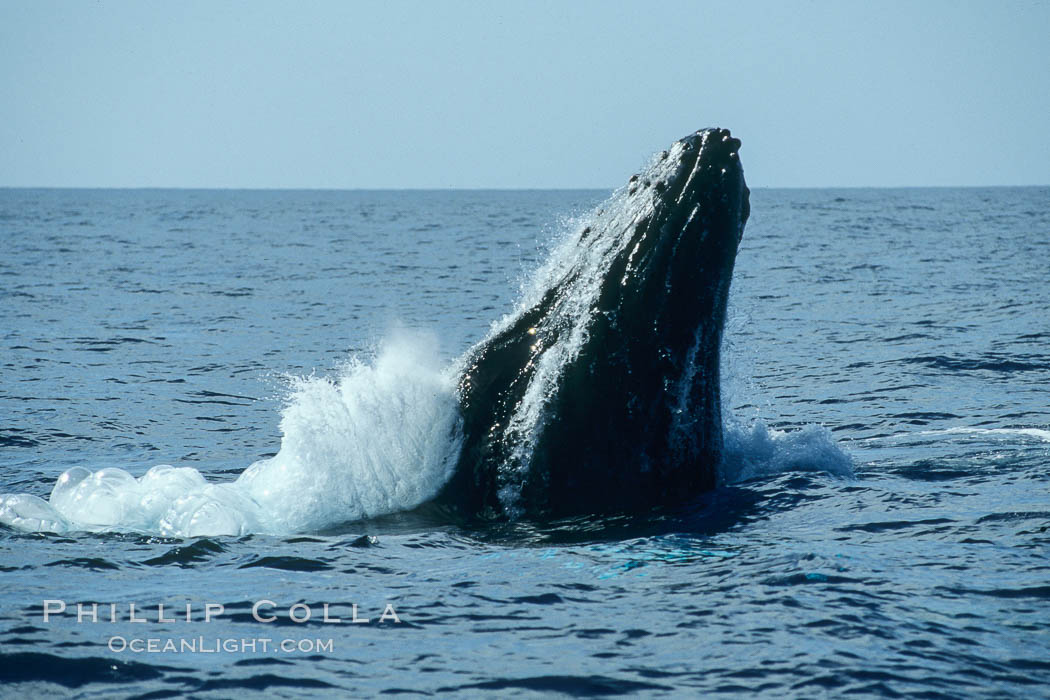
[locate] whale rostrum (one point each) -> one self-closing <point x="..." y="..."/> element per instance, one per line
<point x="600" y="393"/>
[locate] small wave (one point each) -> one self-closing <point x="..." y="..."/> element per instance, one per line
<point x="1038" y="592"/>
<point x="994" y="434"/>
<point x="23" y="667"/>
<point x="10" y="440"/>
<point x="990" y="362"/>
<point x="1038" y="433"/>
<point x="288" y="564"/>
<point x="93" y="563"/>
<point x="187" y="556"/>
<point x="576" y="686"/>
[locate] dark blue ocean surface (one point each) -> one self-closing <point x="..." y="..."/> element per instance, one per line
<point x="907" y="329"/>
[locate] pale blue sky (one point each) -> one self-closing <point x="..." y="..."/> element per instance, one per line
<point x="519" y="94"/>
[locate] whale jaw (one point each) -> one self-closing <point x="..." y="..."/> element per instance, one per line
<point x="602" y="393"/>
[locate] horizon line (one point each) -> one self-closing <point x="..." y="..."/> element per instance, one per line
<point x="486" y="189"/>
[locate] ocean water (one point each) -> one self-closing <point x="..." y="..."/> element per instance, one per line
<point x="883" y="527"/>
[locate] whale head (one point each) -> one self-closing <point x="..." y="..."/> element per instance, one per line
<point x="601" y="392"/>
<point x="688" y="211"/>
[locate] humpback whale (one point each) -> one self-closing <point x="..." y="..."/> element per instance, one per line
<point x="600" y="393"/>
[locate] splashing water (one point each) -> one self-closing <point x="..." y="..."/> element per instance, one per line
<point x="755" y="451"/>
<point x="376" y="439"/>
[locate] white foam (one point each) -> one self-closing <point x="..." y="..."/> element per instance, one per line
<point x="377" y="438"/>
<point x="997" y="435"/>
<point x="755" y="451"/>
<point x="1037" y="433"/>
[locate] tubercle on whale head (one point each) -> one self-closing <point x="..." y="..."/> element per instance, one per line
<point x="705" y="162"/>
<point x="693" y="192"/>
<point x="684" y="236"/>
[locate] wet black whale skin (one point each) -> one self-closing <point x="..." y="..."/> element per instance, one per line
<point x="634" y="420"/>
